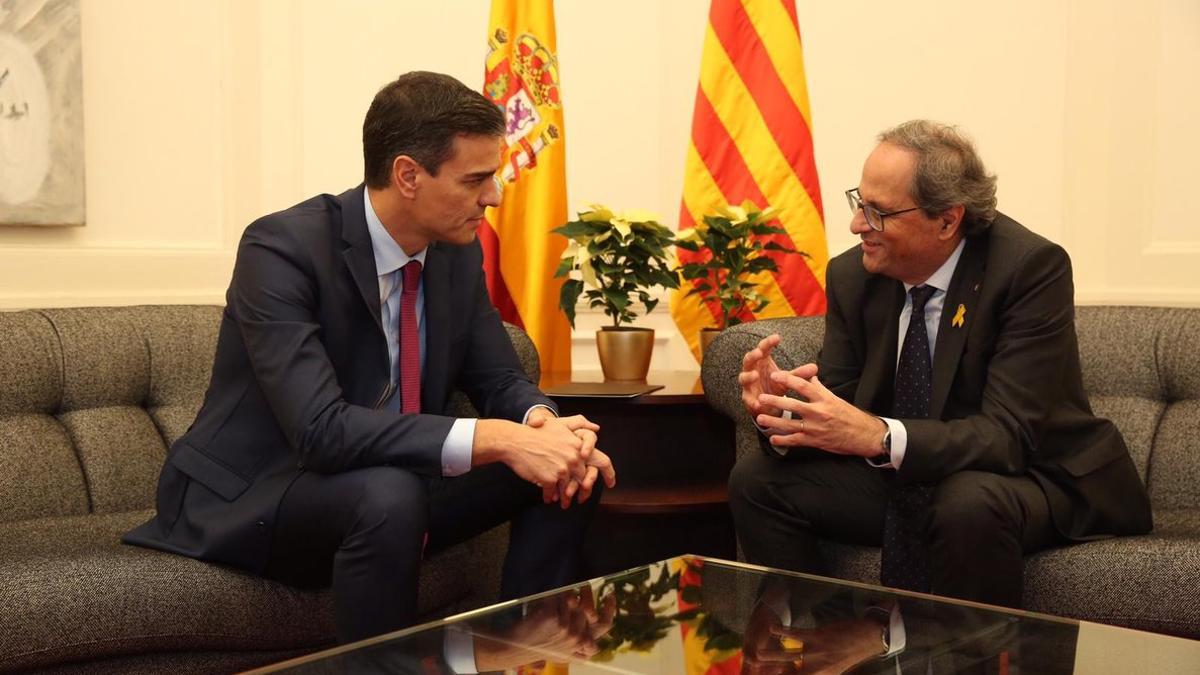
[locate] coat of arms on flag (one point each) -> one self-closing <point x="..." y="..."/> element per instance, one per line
<point x="522" y="79"/>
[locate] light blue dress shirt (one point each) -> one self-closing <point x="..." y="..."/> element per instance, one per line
<point x="389" y="259"/>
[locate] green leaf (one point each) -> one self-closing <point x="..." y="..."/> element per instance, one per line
<point x="773" y="246"/>
<point x="767" y="229"/>
<point x="564" y="267"/>
<point x="616" y="299"/>
<point x="576" y="229"/>
<point x="568" y="296"/>
<point x="723" y="641"/>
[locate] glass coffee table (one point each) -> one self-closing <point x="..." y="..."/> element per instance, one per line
<point x="701" y="616"/>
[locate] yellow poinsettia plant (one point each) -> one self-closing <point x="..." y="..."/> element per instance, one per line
<point x="732" y="246"/>
<point x="613" y="259"/>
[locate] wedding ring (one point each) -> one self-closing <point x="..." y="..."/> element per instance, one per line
<point x="801" y="425"/>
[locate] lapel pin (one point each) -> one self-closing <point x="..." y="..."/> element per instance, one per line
<point x="959" y="317"/>
<point x="976" y="289"/>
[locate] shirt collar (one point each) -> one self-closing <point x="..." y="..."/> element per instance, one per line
<point x="389" y="257"/>
<point x="941" y="278"/>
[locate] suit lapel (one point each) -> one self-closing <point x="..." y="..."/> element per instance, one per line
<point x="358" y="254"/>
<point x="881" y="315"/>
<point x="436" y="280"/>
<point x="958" y="315"/>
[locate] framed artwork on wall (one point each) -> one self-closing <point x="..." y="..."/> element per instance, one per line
<point x="41" y="113"/>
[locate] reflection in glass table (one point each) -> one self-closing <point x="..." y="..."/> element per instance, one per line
<point x="698" y="616"/>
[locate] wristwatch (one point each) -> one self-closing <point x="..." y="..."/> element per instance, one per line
<point x="885" y="445"/>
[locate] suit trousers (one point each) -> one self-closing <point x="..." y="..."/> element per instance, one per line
<point x="364" y="532"/>
<point x="977" y="530"/>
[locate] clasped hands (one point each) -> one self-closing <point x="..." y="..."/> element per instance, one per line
<point x="560" y="627"/>
<point x="819" y="418"/>
<point x="571" y="462"/>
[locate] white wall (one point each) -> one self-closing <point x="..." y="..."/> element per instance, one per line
<point x="200" y="116"/>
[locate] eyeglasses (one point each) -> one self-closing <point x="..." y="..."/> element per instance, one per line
<point x="873" y="215"/>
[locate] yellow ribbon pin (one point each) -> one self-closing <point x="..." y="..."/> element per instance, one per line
<point x="959" y="317"/>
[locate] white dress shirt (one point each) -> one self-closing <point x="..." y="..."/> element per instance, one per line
<point x="939" y="280"/>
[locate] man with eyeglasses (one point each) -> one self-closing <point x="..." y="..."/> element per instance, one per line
<point x="945" y="418"/>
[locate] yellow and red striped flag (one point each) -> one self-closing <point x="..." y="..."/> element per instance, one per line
<point x="520" y="253"/>
<point x="752" y="140"/>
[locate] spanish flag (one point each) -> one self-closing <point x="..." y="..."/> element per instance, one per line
<point x="520" y="253"/>
<point x="752" y="140"/>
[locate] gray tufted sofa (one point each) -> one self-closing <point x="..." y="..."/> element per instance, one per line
<point x="90" y="400"/>
<point x="1141" y="368"/>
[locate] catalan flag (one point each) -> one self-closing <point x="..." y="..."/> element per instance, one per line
<point x="752" y="140"/>
<point x="520" y="253"/>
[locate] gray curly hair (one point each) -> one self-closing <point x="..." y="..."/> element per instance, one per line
<point x="948" y="172"/>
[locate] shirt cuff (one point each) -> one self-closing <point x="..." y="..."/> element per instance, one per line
<point x="899" y="445"/>
<point x="456" y="449"/>
<point x="782" y="452"/>
<point x="525" y="420"/>
<point x="896" y="637"/>
<point x="459" y="651"/>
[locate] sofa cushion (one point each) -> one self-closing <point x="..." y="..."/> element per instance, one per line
<point x="1175" y="465"/>
<point x="83" y="595"/>
<point x="1127" y="581"/>
<point x="39" y="473"/>
<point x="181" y="341"/>
<point x="1135" y="351"/>
<point x="1137" y="419"/>
<point x="105" y="361"/>
<point x="30" y="364"/>
<point x="121" y="452"/>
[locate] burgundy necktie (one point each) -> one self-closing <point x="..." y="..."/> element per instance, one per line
<point x="410" y="341"/>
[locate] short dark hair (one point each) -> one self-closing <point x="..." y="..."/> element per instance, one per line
<point x="949" y="171"/>
<point x="420" y="115"/>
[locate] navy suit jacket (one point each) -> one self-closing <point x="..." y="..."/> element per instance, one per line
<point x="301" y="374"/>
<point x="1008" y="393"/>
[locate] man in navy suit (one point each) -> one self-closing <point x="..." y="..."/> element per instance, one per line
<point x="945" y="417"/>
<point x="321" y="455"/>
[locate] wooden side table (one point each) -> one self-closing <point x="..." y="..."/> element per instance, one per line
<point x="673" y="454"/>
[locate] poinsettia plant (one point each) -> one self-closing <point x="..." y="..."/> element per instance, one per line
<point x="732" y="245"/>
<point x="613" y="260"/>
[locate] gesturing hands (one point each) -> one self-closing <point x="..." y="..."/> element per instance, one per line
<point x="818" y="419"/>
<point x="755" y="379"/>
<point x="821" y="420"/>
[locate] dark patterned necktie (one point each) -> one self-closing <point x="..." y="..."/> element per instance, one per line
<point x="410" y="340"/>
<point x="905" y="561"/>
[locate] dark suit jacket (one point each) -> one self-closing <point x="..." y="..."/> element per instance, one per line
<point x="1007" y="385"/>
<point x="301" y="372"/>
